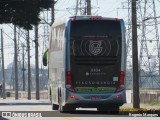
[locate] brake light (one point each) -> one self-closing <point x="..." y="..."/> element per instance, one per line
<point x="122" y="75"/>
<point x="69" y="82"/>
<point x="95" y="18"/>
<point x="121" y="81"/>
<point x="68" y="78"/>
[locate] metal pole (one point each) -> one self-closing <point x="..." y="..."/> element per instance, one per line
<point x="16" y="65"/>
<point x="136" y="99"/>
<point x="23" y="69"/>
<point x="88" y="7"/>
<point x="3" y="72"/>
<point x="76" y="11"/>
<point x="29" y="71"/>
<point x="52" y="13"/>
<point x="37" y="62"/>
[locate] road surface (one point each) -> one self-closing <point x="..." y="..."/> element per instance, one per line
<point x="42" y="110"/>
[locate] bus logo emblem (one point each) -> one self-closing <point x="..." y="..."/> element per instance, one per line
<point x="95" y="47"/>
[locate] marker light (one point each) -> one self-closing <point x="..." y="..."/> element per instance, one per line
<point x="73" y="19"/>
<point x="118" y="19"/>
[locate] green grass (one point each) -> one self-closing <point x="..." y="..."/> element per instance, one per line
<point x="138" y="111"/>
<point x="154" y="104"/>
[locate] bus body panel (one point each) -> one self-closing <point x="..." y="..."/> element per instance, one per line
<point x="59" y="64"/>
<point x="56" y="62"/>
<point x="92" y="100"/>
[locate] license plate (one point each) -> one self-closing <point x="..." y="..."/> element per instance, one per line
<point x="96" y="97"/>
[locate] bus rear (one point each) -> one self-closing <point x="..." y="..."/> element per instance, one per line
<point x="95" y="71"/>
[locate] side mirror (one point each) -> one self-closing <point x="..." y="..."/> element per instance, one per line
<point x="45" y="58"/>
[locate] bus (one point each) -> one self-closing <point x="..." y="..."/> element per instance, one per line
<point x="87" y="63"/>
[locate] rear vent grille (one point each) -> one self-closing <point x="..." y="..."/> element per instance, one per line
<point x="96" y="60"/>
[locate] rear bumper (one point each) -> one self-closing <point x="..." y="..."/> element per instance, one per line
<point x="95" y="100"/>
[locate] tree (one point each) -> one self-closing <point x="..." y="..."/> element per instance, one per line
<point x="23" y="13"/>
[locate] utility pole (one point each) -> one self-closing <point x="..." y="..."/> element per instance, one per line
<point x="37" y="62"/>
<point x="52" y="13"/>
<point x="29" y="71"/>
<point x="3" y="72"/>
<point x="136" y="99"/>
<point x="76" y="10"/>
<point x="23" y="69"/>
<point x="88" y="7"/>
<point x="16" y="65"/>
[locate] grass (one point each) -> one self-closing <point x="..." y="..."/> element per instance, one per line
<point x="139" y="111"/>
<point x="154" y="104"/>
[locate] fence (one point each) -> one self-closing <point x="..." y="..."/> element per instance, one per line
<point x="146" y="96"/>
<point x="24" y="94"/>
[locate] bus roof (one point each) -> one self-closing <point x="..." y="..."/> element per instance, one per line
<point x="82" y="17"/>
<point x="92" y="17"/>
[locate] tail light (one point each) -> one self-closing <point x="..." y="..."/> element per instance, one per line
<point x="122" y="75"/>
<point x="69" y="82"/>
<point x="121" y="81"/>
<point x="68" y="78"/>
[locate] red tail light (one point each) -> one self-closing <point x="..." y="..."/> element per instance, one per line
<point x="122" y="75"/>
<point x="121" y="81"/>
<point x="68" y="78"/>
<point x="69" y="81"/>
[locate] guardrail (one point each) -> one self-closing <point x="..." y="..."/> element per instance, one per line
<point x="146" y="96"/>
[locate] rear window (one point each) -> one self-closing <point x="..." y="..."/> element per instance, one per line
<point x="101" y="28"/>
<point x="95" y="38"/>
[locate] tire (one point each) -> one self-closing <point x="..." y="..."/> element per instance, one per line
<point x="55" y="107"/>
<point x="67" y="108"/>
<point x="102" y="109"/>
<point x="109" y="110"/>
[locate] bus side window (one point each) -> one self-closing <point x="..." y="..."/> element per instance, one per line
<point x="45" y="58"/>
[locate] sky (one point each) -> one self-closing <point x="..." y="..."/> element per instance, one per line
<point x="63" y="9"/>
<point x="107" y="8"/>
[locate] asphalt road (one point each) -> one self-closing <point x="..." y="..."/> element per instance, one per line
<point x="38" y="111"/>
<point x="42" y="110"/>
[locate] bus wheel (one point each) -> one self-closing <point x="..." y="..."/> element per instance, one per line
<point x="115" y="110"/>
<point x="102" y="109"/>
<point x="50" y="95"/>
<point x="55" y="107"/>
<point x="112" y="110"/>
<point x="67" y="108"/>
<point x="63" y="109"/>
